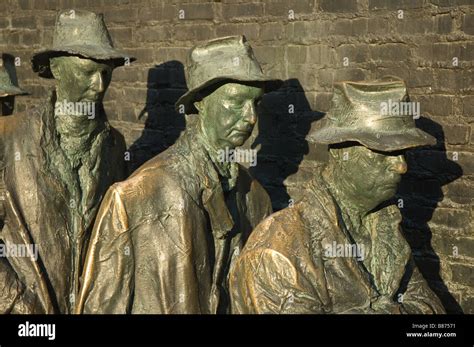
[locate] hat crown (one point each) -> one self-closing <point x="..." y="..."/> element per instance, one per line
<point x="223" y="57"/>
<point x="376" y="114"/>
<point x="76" y="27"/>
<point x="359" y="103"/>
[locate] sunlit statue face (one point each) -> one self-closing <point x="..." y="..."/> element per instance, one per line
<point x="367" y="176"/>
<point x="80" y="79"/>
<point x="228" y="115"/>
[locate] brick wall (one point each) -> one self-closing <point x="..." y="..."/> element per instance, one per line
<point x="310" y="44"/>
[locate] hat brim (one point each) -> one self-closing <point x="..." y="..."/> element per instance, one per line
<point x="40" y="60"/>
<point x="189" y="97"/>
<point x="12" y="91"/>
<point x="381" y="141"/>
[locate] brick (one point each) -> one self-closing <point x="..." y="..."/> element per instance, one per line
<point x="353" y="53"/>
<point x="143" y="55"/>
<point x="349" y="74"/>
<point x="153" y="34"/>
<point x="466" y="161"/>
<point x="444" y="24"/>
<point x="4" y="23"/>
<point x="338" y="5"/>
<point x="463" y="274"/>
<point x="236" y="11"/>
<point x="121" y="36"/>
<point x="25" y="4"/>
<point x="250" y="30"/>
<point x="378" y="25"/>
<point x="468" y="23"/>
<point x="197" y="11"/>
<point x="322" y="55"/>
<point x="30" y="38"/>
<point x="412" y="24"/>
<point x="394" y="5"/>
<point x="451" y="218"/>
<point x="150" y="14"/>
<point x="282" y="7"/>
<point x="46" y="4"/>
<point x="193" y="32"/>
<point x="28" y="22"/>
<point x="468" y="107"/>
<point x="296" y="54"/>
<point x="390" y="52"/>
<point x="272" y="32"/>
<point x="435" y="105"/>
<point x="120" y="16"/>
<point x="456" y="134"/>
<point x="445" y="3"/>
<point x="467" y="303"/>
<point x="460" y="191"/>
<point x="454" y="80"/>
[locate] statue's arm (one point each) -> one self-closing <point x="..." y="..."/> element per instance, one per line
<point x="266" y="282"/>
<point x="107" y="278"/>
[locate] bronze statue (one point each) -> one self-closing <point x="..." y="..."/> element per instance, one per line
<point x="60" y="160"/>
<point x="165" y="237"/>
<point x="8" y="85"/>
<point x="10" y="285"/>
<point x="340" y="249"/>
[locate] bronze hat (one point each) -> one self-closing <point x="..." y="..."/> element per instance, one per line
<point x="357" y="114"/>
<point x="80" y="33"/>
<point x="8" y="84"/>
<point x="226" y="58"/>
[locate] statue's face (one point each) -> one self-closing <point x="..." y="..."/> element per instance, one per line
<point x="80" y="79"/>
<point x="228" y="115"/>
<point x="371" y="175"/>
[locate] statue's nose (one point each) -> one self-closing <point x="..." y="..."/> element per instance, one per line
<point x="399" y="164"/>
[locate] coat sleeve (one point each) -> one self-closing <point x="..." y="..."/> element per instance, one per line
<point x="418" y="298"/>
<point x="109" y="267"/>
<point x="265" y="281"/>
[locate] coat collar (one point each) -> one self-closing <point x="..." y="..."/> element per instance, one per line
<point x="194" y="150"/>
<point x="390" y="252"/>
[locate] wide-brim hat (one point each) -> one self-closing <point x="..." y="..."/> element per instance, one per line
<point x="79" y="33"/>
<point x="228" y="58"/>
<point x="8" y="83"/>
<point x="361" y="112"/>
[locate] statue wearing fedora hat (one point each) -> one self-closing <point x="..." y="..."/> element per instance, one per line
<point x="165" y="237"/>
<point x="8" y="85"/>
<point x="340" y="249"/>
<point x="59" y="161"/>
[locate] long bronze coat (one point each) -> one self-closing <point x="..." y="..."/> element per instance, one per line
<point x="284" y="267"/>
<point x="44" y="204"/>
<point x="165" y="237"/>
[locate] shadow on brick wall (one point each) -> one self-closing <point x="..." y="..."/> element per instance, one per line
<point x="163" y="125"/>
<point x="285" y="118"/>
<point x="428" y="170"/>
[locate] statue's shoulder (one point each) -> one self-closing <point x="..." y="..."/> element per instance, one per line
<point x="279" y="230"/>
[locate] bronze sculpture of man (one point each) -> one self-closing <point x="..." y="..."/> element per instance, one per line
<point x="340" y="249"/>
<point x="59" y="161"/>
<point x="165" y="237"/>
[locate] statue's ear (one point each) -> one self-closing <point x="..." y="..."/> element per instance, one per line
<point x="54" y="67"/>
<point x="198" y="105"/>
